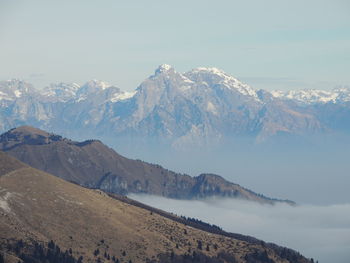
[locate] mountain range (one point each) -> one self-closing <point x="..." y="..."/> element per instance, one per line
<point x="46" y="219"/>
<point x="204" y="106"/>
<point x="92" y="164"/>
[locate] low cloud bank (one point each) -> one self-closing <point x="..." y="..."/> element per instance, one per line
<point x="320" y="232"/>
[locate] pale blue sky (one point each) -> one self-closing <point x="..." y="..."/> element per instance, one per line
<point x="269" y="44"/>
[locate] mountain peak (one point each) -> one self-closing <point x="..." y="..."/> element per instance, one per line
<point x="15" y="80"/>
<point x="94" y="83"/>
<point x="14" y="88"/>
<point x="163" y="68"/>
<point x="210" y="70"/>
<point x="213" y="73"/>
<point x="91" y="87"/>
<point x="26" y="135"/>
<point x="60" y="91"/>
<point x="29" y="130"/>
<point x="314" y="96"/>
<point x="217" y="77"/>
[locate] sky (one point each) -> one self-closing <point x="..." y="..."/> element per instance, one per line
<point x="319" y="232"/>
<point x="272" y="44"/>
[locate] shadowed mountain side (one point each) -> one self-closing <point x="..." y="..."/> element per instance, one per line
<point x="37" y="207"/>
<point x="93" y="164"/>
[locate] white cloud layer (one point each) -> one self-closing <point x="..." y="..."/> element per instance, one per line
<point x="320" y="232"/>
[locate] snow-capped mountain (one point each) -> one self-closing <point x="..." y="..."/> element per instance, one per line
<point x="214" y="76"/>
<point x="61" y="92"/>
<point x="64" y="92"/>
<point x="11" y="90"/>
<point x="337" y="95"/>
<point x="200" y="107"/>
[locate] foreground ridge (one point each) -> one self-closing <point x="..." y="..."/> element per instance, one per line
<point x="46" y="219"/>
<point x="93" y="164"/>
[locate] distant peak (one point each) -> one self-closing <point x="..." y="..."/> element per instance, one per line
<point x="63" y="86"/>
<point x="98" y="84"/>
<point x="27" y="135"/>
<point x="66" y="84"/>
<point x="26" y="130"/>
<point x="215" y="71"/>
<point x="211" y="70"/>
<point x="15" y="80"/>
<point x="164" y="68"/>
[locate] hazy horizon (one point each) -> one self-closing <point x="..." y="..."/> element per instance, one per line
<point x="296" y="149"/>
<point x="269" y="45"/>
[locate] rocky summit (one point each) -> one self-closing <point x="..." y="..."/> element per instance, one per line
<point x="201" y="107"/>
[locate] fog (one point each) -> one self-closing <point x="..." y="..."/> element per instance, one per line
<point x="313" y="173"/>
<point x="320" y="232"/>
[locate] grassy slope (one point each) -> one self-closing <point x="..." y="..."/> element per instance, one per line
<point x="39" y="206"/>
<point x="93" y="164"/>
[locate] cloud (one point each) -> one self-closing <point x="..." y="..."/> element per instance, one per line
<point x="320" y="232"/>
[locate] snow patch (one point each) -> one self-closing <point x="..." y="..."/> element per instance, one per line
<point x="63" y="91"/>
<point x="163" y="68"/>
<point x="82" y="98"/>
<point x="122" y="96"/>
<point x="211" y="108"/>
<point x="17" y="93"/>
<point x="215" y="71"/>
<point x="98" y="84"/>
<point x="186" y="80"/>
<point x="227" y="81"/>
<point x="314" y="96"/>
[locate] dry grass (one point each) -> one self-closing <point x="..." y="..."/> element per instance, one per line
<point x="44" y="207"/>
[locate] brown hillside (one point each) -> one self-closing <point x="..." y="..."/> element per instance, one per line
<point x="11" y="164"/>
<point x="37" y="207"/>
<point x="93" y="164"/>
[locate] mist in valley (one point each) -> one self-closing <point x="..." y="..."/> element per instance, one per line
<point x="321" y="232"/>
<point x="314" y="174"/>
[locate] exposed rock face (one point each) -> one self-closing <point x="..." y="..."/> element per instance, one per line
<point x="202" y="107"/>
<point x="93" y="164"/>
